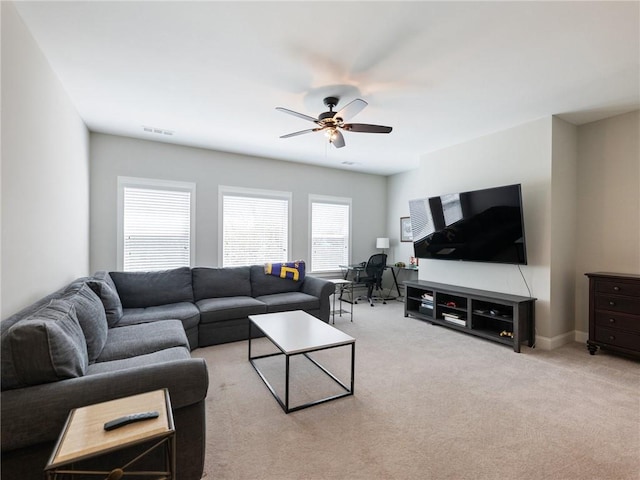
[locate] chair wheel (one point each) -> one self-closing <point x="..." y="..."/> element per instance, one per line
<point x="384" y="303"/>
<point x="372" y="304"/>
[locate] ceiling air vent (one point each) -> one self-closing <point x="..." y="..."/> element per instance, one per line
<point x="157" y="131"/>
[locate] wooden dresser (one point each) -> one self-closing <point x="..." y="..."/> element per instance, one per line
<point x="614" y="312"/>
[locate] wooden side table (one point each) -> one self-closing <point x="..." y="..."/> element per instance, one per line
<point x="83" y="437"/>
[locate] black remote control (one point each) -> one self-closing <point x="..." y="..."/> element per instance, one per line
<point x="127" y="419"/>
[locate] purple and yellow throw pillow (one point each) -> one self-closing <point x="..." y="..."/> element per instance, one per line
<point x="291" y="270"/>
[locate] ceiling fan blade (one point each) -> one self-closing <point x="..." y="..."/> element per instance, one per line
<point x="337" y="139"/>
<point x="363" y="127"/>
<point x="296" y="114"/>
<point x="301" y="132"/>
<point x="351" y="109"/>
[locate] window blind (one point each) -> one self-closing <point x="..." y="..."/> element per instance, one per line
<point x="157" y="229"/>
<point x="329" y="236"/>
<point x="421" y="219"/>
<point x="255" y="230"/>
<point x="451" y="208"/>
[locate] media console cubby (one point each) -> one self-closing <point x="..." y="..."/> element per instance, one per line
<point x="500" y="317"/>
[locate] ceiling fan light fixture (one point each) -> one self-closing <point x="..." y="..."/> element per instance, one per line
<point x="331" y="134"/>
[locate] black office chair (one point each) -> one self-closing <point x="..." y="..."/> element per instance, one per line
<point x="373" y="279"/>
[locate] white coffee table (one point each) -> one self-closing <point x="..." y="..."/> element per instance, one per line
<point x="298" y="333"/>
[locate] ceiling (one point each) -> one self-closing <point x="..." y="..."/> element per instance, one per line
<point x="210" y="74"/>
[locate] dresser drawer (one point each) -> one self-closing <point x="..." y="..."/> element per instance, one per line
<point x="630" y="323"/>
<point x="618" y="288"/>
<point x="618" y="304"/>
<point x="617" y="338"/>
<point x="614" y="312"/>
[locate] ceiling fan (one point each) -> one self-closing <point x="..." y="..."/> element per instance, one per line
<point x="332" y="122"/>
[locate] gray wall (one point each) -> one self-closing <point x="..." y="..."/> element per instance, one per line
<point x="45" y="174"/>
<point x="113" y="156"/>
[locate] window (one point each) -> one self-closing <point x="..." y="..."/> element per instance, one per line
<point x="451" y="208"/>
<point x="255" y="226"/>
<point x="330" y="232"/>
<point x="421" y="219"/>
<point x="155" y="224"/>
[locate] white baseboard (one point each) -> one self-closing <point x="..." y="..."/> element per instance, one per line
<point x="581" y="337"/>
<point x="551" y="343"/>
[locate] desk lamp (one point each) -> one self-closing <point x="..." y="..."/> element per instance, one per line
<point x="382" y="243"/>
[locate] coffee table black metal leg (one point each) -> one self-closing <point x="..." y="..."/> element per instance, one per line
<point x="286" y="386"/>
<point x="333" y="313"/>
<point x="353" y="362"/>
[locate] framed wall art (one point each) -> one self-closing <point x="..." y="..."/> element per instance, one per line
<point x="406" y="235"/>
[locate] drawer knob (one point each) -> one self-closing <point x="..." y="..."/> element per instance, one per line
<point x="611" y="337"/>
<point x="612" y="320"/>
<point x="616" y="288"/>
<point x="612" y="303"/>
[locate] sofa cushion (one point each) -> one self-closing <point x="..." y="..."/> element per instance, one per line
<point x="143" y="338"/>
<point x="221" y="282"/>
<point x="263" y="284"/>
<point x="147" y="289"/>
<point x="45" y="347"/>
<point x="186" y="312"/>
<point x="282" y="302"/>
<point x="229" y="308"/>
<point x="91" y="317"/>
<point x="108" y="294"/>
<point x="153" y="358"/>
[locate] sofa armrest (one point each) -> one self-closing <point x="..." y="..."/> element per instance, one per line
<point x="321" y="288"/>
<point x="37" y="414"/>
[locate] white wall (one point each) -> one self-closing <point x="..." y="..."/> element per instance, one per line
<point x="113" y="156"/>
<point x="522" y="154"/>
<point x="401" y="188"/>
<point x="564" y="192"/>
<point x="608" y="204"/>
<point x="45" y="174"/>
<point x="581" y="193"/>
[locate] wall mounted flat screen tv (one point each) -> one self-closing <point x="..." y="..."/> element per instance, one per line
<point x="480" y="226"/>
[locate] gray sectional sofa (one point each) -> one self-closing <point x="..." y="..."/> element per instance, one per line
<point x="122" y="333"/>
<point x="213" y="304"/>
<point x="227" y="296"/>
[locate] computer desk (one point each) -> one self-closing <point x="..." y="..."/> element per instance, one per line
<point x="358" y="268"/>
<point x="396" y="270"/>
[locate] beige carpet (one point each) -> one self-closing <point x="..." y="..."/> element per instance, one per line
<point x="429" y="403"/>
